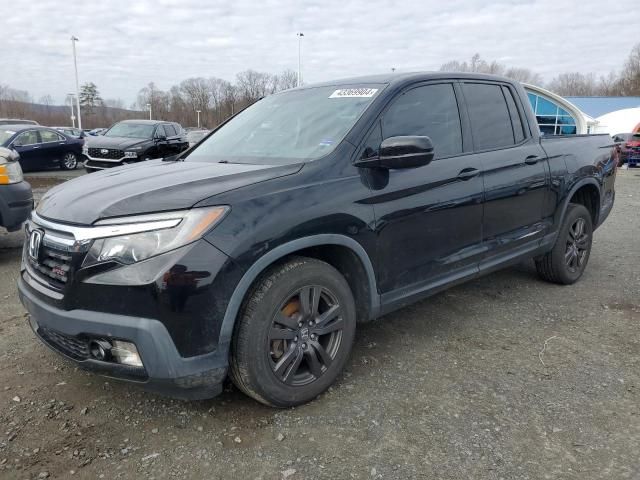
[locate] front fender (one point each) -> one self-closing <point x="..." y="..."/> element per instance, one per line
<point x="269" y="258"/>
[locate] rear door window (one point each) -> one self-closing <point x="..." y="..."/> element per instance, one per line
<point x="50" y="136"/>
<point x="170" y="130"/>
<point x="489" y="116"/>
<point x="430" y="110"/>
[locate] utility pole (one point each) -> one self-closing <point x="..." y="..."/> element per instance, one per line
<point x="300" y="35"/>
<point x="74" y="39"/>
<point x="198" y="112"/>
<point x="149" y="107"/>
<point x="73" y="117"/>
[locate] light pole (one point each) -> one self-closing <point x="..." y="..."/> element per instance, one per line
<point x="198" y="112"/>
<point x="74" y="39"/>
<point x="149" y="107"/>
<point x="73" y="117"/>
<point x="300" y="35"/>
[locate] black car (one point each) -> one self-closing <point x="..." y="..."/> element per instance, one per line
<point x="16" y="198"/>
<point x="133" y="141"/>
<point x="42" y="147"/>
<point x="255" y="252"/>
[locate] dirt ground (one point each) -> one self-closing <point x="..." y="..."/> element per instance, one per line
<point x="506" y="377"/>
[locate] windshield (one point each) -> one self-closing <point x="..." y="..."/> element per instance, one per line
<point x="130" y="130"/>
<point x="288" y="127"/>
<point x="5" y="135"/>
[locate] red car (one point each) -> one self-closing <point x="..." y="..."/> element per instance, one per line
<point x="629" y="147"/>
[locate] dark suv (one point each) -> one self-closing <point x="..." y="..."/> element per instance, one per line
<point x="133" y="141"/>
<point x="255" y="252"/>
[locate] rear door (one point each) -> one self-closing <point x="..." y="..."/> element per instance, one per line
<point x="428" y="218"/>
<point x="52" y="146"/>
<point x="516" y="178"/>
<point x="173" y="141"/>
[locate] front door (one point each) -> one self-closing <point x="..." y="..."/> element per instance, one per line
<point x="428" y="219"/>
<point x="516" y="176"/>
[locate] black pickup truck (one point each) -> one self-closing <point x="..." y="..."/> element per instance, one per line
<point x="255" y="253"/>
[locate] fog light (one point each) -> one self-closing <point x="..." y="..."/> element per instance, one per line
<point x="126" y="353"/>
<point x="100" y="350"/>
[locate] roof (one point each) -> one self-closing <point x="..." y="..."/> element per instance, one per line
<point x="19" y="127"/>
<point x="148" y="122"/>
<point x="598" y="106"/>
<point x="400" y="78"/>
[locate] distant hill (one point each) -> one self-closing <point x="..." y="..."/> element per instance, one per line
<point x="60" y="115"/>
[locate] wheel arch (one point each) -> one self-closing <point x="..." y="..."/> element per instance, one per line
<point x="586" y="188"/>
<point x="298" y="246"/>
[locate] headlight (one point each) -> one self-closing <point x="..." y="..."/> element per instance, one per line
<point x="10" y="172"/>
<point x="154" y="234"/>
<point x="130" y="154"/>
<point x="85" y="149"/>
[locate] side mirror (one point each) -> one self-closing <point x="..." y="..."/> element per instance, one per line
<point x="17" y="143"/>
<point x="161" y="138"/>
<point x="401" y="152"/>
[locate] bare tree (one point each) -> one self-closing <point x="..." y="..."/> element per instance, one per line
<point x="574" y="84"/>
<point x="630" y="77"/>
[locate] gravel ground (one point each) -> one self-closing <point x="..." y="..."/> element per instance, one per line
<point x="506" y="377"/>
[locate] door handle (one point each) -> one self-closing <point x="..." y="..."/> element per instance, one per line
<point x="532" y="159"/>
<point x="468" y="173"/>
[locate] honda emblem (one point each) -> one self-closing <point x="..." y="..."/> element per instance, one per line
<point x="35" y="239"/>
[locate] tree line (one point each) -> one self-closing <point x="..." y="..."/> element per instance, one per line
<point x="625" y="82"/>
<point x="217" y="99"/>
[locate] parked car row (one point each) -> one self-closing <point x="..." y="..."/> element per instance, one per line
<point x="628" y="146"/>
<point x="125" y="142"/>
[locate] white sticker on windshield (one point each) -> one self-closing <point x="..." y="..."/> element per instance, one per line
<point x="354" y="93"/>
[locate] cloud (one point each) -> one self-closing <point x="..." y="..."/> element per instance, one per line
<point x="124" y="45"/>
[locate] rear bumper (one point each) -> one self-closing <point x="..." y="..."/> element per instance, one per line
<point x="164" y="370"/>
<point x="16" y="202"/>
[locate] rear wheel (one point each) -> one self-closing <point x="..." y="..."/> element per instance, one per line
<point x="566" y="262"/>
<point x="294" y="333"/>
<point x="69" y="161"/>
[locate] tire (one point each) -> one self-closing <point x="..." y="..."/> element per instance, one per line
<point x="69" y="161"/>
<point x="566" y="262"/>
<point x="279" y="355"/>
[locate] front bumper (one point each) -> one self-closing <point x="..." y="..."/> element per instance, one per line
<point x="16" y="202"/>
<point x="164" y="370"/>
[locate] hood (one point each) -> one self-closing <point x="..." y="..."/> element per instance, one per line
<point x="114" y="142"/>
<point x="148" y="187"/>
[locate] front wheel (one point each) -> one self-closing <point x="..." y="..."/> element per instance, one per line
<point x="69" y="161"/>
<point x="294" y="333"/>
<point x="566" y="262"/>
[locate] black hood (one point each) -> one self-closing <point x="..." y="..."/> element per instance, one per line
<point x="114" y="142"/>
<point x="148" y="187"/>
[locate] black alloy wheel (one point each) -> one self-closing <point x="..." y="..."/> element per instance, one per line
<point x="294" y="333"/>
<point x="578" y="242"/>
<point x="305" y="335"/>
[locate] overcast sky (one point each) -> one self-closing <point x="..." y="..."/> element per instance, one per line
<point x="125" y="44"/>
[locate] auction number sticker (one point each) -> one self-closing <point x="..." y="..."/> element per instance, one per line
<point x="354" y="93"/>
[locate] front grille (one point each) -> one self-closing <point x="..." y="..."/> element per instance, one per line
<point x="53" y="265"/>
<point x="74" y="347"/>
<point x="98" y="164"/>
<point x="112" y="154"/>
